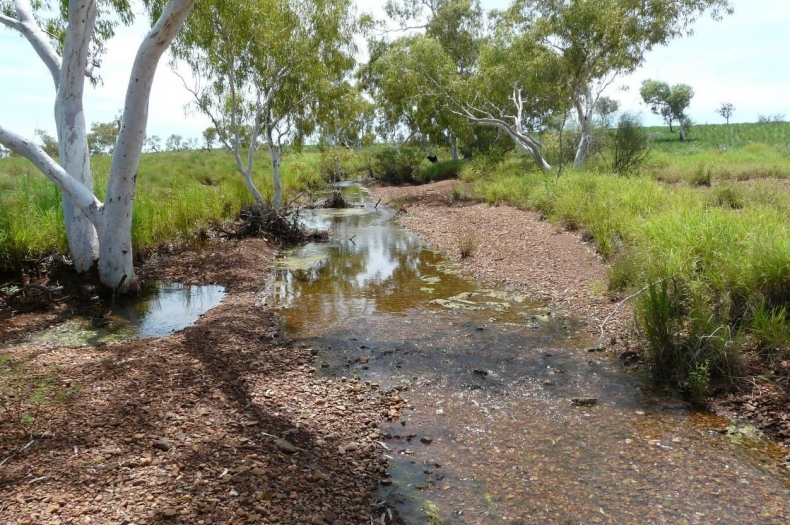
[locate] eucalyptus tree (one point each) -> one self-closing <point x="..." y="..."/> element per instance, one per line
<point x="70" y="44"/>
<point x="457" y="25"/>
<point x="596" y="42"/>
<point x="670" y="102"/>
<point x="262" y="68"/>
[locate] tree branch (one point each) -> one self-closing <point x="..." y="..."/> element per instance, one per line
<point x="27" y="25"/>
<point x="82" y="197"/>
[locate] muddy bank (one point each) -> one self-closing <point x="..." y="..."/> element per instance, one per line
<point x="219" y="423"/>
<point x="532" y="256"/>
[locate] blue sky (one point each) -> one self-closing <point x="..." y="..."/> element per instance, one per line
<point x="742" y="59"/>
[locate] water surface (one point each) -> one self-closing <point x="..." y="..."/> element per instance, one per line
<point x="161" y="309"/>
<point x="492" y="435"/>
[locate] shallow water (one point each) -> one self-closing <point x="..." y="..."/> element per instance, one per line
<point x="160" y="310"/>
<point x="492" y="435"/>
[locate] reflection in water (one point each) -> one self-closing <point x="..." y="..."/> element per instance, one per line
<point x="490" y="377"/>
<point x="160" y="310"/>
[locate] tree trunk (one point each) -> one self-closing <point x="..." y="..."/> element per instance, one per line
<point x="116" y="268"/>
<point x="453" y="141"/>
<point x="72" y="133"/>
<point x="682" y="132"/>
<point x="584" y="111"/>
<point x="278" y="189"/>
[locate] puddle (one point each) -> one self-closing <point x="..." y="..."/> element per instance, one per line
<point x="159" y="311"/>
<point x="492" y="435"/>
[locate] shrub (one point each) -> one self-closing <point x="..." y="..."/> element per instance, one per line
<point x="627" y="147"/>
<point x="396" y="166"/>
<point x="450" y="169"/>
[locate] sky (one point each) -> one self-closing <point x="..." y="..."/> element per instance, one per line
<point x="742" y="59"/>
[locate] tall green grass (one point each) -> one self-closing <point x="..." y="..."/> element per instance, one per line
<point x="178" y="194"/>
<point x="718" y="258"/>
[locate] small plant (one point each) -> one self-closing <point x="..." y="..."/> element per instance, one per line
<point x="466" y="246"/>
<point x="698" y="383"/>
<point x="27" y="399"/>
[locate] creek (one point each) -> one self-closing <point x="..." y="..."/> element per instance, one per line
<point x="491" y="434"/>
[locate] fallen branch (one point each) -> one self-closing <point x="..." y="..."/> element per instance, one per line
<point x="17" y="452"/>
<point x="377" y="204"/>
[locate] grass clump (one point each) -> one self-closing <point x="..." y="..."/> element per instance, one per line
<point x="445" y="170"/>
<point x="466" y="246"/>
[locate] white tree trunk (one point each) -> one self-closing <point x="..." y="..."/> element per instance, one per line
<point x="113" y="220"/>
<point x="274" y="152"/>
<point x="72" y="132"/>
<point x="584" y="110"/>
<point x="116" y="268"/>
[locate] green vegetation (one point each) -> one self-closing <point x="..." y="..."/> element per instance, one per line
<point x="178" y="195"/>
<point x="714" y="262"/>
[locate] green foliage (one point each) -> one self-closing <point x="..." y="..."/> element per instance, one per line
<point x="103" y="136"/>
<point x="445" y="170"/>
<point x="771" y="329"/>
<point x="668" y="102"/>
<point x="605" y="108"/>
<point x="627" y="147"/>
<point x="178" y="194"/>
<point x="396" y="166"/>
<point x="28" y="399"/>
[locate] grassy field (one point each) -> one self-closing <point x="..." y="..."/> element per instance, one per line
<point x="178" y="193"/>
<point x="735" y="151"/>
<point x="713" y="261"/>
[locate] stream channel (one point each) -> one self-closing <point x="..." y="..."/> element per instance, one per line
<point x="491" y="434"/>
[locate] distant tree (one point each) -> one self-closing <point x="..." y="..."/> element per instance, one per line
<point x="48" y="143"/>
<point x="102" y="138"/>
<point x="767" y="119"/>
<point x="605" y="108"/>
<point x="726" y="110"/>
<point x="153" y="144"/>
<point x="174" y="143"/>
<point x="210" y="135"/>
<point x="668" y="102"/>
<point x="190" y="144"/>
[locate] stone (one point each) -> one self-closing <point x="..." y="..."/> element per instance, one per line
<point x="426" y="440"/>
<point x="162" y="444"/>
